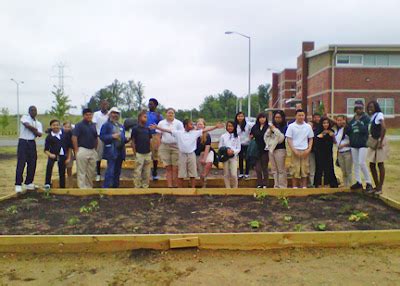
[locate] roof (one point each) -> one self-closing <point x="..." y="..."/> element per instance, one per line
<point x="353" y="48"/>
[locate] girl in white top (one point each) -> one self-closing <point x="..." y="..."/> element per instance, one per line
<point x="243" y="129"/>
<point x="168" y="150"/>
<point x="231" y="141"/>
<point x="379" y="153"/>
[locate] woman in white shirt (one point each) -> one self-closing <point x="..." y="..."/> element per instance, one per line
<point x="168" y="150"/>
<point x="378" y="149"/>
<point x="344" y="157"/>
<point x="231" y="141"/>
<point x="243" y="131"/>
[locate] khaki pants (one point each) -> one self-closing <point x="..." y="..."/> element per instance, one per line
<point x="346" y="165"/>
<point x="141" y="174"/>
<point x="230" y="173"/>
<point x="187" y="165"/>
<point x="278" y="167"/>
<point x="86" y="167"/>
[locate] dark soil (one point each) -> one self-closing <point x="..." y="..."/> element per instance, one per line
<point x="34" y="214"/>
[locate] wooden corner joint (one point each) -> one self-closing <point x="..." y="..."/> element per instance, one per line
<point x="184" y="242"/>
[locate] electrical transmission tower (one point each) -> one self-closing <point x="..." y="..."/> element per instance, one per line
<point x="60" y="75"/>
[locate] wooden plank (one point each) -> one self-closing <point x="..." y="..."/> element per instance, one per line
<point x="184" y="242"/>
<point x="6" y="197"/>
<point x="234" y="241"/>
<point x="201" y="191"/>
<point x="390" y="202"/>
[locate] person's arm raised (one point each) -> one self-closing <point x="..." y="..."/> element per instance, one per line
<point x="155" y="126"/>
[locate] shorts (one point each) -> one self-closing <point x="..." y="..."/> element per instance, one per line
<point x="169" y="154"/>
<point x="187" y="167"/>
<point x="154" y="148"/>
<point x="100" y="149"/>
<point x="300" y="166"/>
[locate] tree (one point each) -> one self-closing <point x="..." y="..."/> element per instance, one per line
<point x="263" y="97"/>
<point x="219" y="107"/>
<point x="321" y="108"/>
<point x="139" y="92"/>
<point x="4" y="118"/>
<point x="113" y="93"/>
<point x="61" y="106"/>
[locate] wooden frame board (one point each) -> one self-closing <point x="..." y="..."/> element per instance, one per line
<point x="234" y="241"/>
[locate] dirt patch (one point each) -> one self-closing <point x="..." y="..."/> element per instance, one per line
<point x="35" y="213"/>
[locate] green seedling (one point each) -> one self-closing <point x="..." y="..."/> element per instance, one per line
<point x="46" y="194"/>
<point x="357" y="216"/>
<point x="298" y="227"/>
<point x="12" y="210"/>
<point x="287" y="218"/>
<point x="254" y="224"/>
<point x="91" y="207"/>
<point x="73" y="221"/>
<point x="320" y="227"/>
<point x="284" y="202"/>
<point x="261" y="196"/>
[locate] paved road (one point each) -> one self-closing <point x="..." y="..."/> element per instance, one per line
<point x="214" y="137"/>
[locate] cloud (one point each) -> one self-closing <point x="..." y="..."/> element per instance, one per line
<point x="178" y="49"/>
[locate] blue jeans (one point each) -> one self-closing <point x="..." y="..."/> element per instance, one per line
<point x="113" y="172"/>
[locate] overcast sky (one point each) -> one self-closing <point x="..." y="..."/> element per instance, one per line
<point x="178" y="49"/>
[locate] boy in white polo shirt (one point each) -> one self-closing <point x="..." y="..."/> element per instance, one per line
<point x="30" y="128"/>
<point x="300" y="139"/>
<point x="187" y="143"/>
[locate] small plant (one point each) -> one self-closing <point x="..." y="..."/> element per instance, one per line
<point x="287" y="218"/>
<point x="255" y="224"/>
<point x="298" y="227"/>
<point x="284" y="202"/>
<point x="46" y="194"/>
<point x="12" y="210"/>
<point x="135" y="229"/>
<point x="358" y="215"/>
<point x="261" y="196"/>
<point x="91" y="207"/>
<point x="320" y="226"/>
<point x="73" y="221"/>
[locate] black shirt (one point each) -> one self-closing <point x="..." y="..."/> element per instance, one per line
<point x="86" y="133"/>
<point x="283" y="131"/>
<point x="141" y="136"/>
<point x="54" y="145"/>
<point x="201" y="147"/>
<point x="259" y="135"/>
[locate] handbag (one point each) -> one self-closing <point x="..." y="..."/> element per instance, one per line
<point x="372" y="143"/>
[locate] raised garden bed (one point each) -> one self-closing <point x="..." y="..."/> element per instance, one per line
<point x="95" y="221"/>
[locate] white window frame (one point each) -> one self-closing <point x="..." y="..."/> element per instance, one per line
<point x="384" y="108"/>
<point x="349" y="64"/>
<point x="347" y="105"/>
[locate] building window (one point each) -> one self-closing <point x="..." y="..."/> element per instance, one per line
<point x="350" y="105"/>
<point x="382" y="60"/>
<point x="355" y="60"/>
<point x="373" y="60"/>
<point x="387" y="105"/>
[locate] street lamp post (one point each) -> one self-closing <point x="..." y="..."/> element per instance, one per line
<point x="249" y="83"/>
<point x="17" y="83"/>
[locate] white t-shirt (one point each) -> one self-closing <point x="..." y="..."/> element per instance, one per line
<point x="300" y="133"/>
<point x="230" y="141"/>
<point x="187" y="141"/>
<point x="99" y="118"/>
<point x="378" y="117"/>
<point x="244" y="135"/>
<point x="25" y="133"/>
<point x="342" y="141"/>
<point x="174" y="125"/>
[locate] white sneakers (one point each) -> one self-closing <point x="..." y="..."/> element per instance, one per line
<point x="20" y="190"/>
<point x="98" y="178"/>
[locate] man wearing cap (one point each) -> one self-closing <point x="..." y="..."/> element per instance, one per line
<point x="154" y="117"/>
<point x="26" y="152"/>
<point x="84" y="141"/>
<point x="112" y="134"/>
<point x="357" y="130"/>
<point x="99" y="118"/>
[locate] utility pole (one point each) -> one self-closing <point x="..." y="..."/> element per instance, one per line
<point x="60" y="75"/>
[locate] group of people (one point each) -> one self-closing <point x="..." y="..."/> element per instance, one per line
<point x="185" y="148"/>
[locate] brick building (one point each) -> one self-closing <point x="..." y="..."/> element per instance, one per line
<point x="333" y="77"/>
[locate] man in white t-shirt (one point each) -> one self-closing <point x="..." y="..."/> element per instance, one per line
<point x="187" y="143"/>
<point x="300" y="139"/>
<point x="99" y="118"/>
<point x="30" y="129"/>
